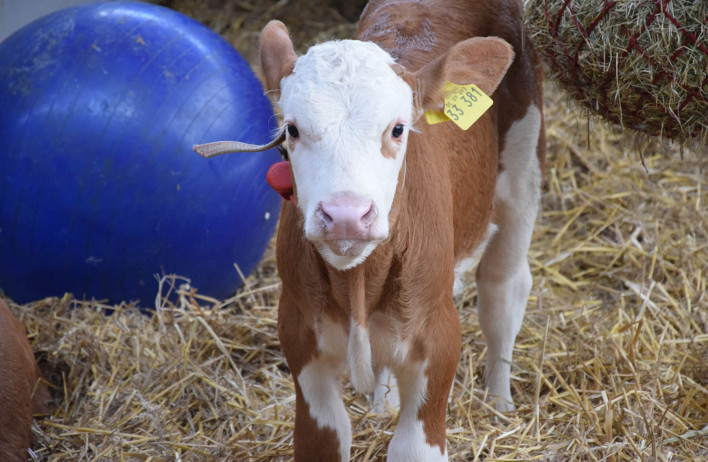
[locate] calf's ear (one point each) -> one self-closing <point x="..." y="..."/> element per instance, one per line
<point x="482" y="61"/>
<point x="277" y="54"/>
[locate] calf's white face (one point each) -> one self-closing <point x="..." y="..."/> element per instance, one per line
<point x="347" y="115"/>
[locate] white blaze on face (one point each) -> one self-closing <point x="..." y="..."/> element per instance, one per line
<point x="346" y="107"/>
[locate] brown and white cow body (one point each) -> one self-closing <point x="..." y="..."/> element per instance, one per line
<point x="22" y="391"/>
<point x="388" y="210"/>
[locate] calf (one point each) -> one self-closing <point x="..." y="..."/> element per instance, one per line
<point x="388" y="210"/>
<point x="22" y="392"/>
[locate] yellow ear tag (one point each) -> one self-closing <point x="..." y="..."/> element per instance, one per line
<point x="464" y="104"/>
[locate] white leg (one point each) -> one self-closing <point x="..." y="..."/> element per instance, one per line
<point x="409" y="443"/>
<point x="503" y="276"/>
<point x="320" y="382"/>
<point x="502" y="303"/>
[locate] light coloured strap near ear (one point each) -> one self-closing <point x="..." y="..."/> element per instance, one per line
<point x="418" y="101"/>
<point x="218" y="148"/>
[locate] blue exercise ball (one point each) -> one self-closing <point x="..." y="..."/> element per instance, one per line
<point x="100" y="190"/>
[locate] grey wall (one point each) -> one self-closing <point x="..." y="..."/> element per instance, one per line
<point x="16" y="13"/>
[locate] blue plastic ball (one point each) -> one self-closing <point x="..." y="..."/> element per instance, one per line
<point x="100" y="190"/>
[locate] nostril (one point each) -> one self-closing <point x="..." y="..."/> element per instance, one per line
<point x="323" y="217"/>
<point x="369" y="216"/>
<point x="327" y="218"/>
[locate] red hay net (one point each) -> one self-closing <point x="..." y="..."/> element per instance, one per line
<point x="646" y="72"/>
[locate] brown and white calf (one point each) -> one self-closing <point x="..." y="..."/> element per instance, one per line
<point x="22" y="391"/>
<point x="388" y="211"/>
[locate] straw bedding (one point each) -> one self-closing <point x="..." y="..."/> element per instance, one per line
<point x="611" y="363"/>
<point x="639" y="63"/>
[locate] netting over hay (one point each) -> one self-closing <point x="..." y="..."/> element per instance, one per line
<point x="642" y="63"/>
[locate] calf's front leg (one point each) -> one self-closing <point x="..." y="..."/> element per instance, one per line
<point x="322" y="426"/>
<point x="424" y="383"/>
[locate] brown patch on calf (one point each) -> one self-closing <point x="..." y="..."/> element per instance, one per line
<point x="309" y="437"/>
<point x="444" y="344"/>
<point x="22" y="390"/>
<point x="389" y="144"/>
<point x="399" y="30"/>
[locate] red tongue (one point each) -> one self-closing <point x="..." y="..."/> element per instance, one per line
<point x="279" y="178"/>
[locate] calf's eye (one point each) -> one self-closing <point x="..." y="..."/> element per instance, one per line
<point x="397" y="131"/>
<point x="292" y="131"/>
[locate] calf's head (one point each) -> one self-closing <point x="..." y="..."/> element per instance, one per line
<point x="348" y="110"/>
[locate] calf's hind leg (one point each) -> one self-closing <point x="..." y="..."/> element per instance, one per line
<point x="503" y="275"/>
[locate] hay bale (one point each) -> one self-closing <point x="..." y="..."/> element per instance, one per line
<point x="640" y="64"/>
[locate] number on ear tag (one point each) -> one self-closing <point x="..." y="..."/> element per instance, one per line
<point x="464" y="105"/>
